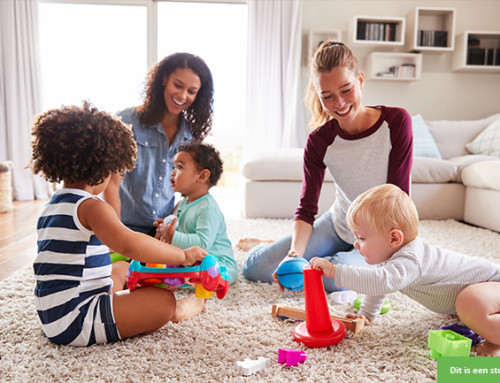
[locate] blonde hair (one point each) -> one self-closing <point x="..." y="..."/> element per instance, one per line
<point x="385" y="207"/>
<point x="330" y="54"/>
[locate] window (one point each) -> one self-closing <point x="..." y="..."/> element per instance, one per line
<point x="98" y="51"/>
<point x="92" y="51"/>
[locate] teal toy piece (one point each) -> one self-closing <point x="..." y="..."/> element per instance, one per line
<point x="448" y="343"/>
<point x="386" y="307"/>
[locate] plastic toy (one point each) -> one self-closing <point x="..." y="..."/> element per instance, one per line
<point x="291" y="357"/>
<point x="344" y="296"/>
<point x="290" y="275"/>
<point x="286" y="312"/>
<point x="448" y="343"/>
<point x="386" y="307"/>
<point x="207" y="277"/>
<point x="319" y="329"/>
<point x="464" y="331"/>
<point x="249" y="366"/>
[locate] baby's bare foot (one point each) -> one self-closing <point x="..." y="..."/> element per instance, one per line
<point x="188" y="307"/>
<point x="487" y="349"/>
<point x="246" y="244"/>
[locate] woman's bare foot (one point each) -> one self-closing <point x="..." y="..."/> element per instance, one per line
<point x="487" y="349"/>
<point x="188" y="307"/>
<point x="246" y="244"/>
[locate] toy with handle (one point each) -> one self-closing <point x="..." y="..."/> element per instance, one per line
<point x="207" y="277"/>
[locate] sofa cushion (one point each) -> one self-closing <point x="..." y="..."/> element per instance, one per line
<point x="485" y="174"/>
<point x="278" y="165"/>
<point x="452" y="136"/>
<point x="463" y="161"/>
<point x="433" y="170"/>
<point x="487" y="142"/>
<point x="423" y="142"/>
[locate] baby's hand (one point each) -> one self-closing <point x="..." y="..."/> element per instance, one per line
<point x="165" y="231"/>
<point x="323" y="265"/>
<point x="354" y="316"/>
<point x="157" y="224"/>
<point x="193" y="254"/>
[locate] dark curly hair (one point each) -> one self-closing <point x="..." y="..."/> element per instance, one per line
<point x="81" y="144"/>
<point x="207" y="157"/>
<point x="199" y="114"/>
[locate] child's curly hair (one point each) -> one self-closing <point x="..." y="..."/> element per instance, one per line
<point x="200" y="113"/>
<point x="207" y="157"/>
<point x="81" y="144"/>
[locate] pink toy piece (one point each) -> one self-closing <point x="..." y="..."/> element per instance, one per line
<point x="291" y="357"/>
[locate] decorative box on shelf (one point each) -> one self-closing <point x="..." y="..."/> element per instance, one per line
<point x="431" y="29"/>
<point x="477" y="52"/>
<point x="393" y="66"/>
<point x="372" y="30"/>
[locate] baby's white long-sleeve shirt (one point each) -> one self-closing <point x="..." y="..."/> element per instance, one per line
<point x="428" y="274"/>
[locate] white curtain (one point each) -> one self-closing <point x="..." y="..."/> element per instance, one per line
<point x="19" y="93"/>
<point x="275" y="115"/>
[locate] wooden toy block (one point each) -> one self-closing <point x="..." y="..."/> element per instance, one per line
<point x="280" y="310"/>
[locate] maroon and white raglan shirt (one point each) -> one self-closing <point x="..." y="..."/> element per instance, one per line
<point x="381" y="154"/>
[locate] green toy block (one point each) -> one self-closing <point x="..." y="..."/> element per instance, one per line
<point x="448" y="343"/>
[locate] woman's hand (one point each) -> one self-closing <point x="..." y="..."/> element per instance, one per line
<point x="291" y="254"/>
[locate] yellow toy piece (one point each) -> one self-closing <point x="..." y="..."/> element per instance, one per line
<point x="201" y="292"/>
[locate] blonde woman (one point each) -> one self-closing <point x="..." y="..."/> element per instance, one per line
<point x="362" y="146"/>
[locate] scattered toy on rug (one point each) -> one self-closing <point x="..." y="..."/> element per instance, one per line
<point x="291" y="357"/>
<point x="344" y="296"/>
<point x="385" y="308"/>
<point x="250" y="366"/>
<point x="448" y="343"/>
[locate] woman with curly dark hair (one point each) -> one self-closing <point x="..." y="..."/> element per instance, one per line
<point x="177" y="109"/>
<point x="77" y="294"/>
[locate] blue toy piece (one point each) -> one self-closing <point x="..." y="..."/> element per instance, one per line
<point x="386" y="307"/>
<point x="464" y="331"/>
<point x="290" y="275"/>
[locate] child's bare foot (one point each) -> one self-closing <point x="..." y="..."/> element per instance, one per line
<point x="246" y="244"/>
<point x="487" y="349"/>
<point x="188" y="307"/>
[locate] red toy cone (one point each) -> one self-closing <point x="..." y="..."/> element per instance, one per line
<point x="319" y="329"/>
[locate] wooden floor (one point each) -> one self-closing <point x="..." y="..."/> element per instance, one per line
<point x="18" y="236"/>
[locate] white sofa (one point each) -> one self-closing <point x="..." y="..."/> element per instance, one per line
<point x="459" y="185"/>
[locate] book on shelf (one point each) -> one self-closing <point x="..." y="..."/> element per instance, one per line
<point x="483" y="56"/>
<point x="399" y="71"/>
<point x="373" y="31"/>
<point x="432" y="38"/>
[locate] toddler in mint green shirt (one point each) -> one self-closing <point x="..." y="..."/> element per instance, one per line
<point x="199" y="221"/>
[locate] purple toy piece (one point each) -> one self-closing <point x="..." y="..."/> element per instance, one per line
<point x="464" y="331"/>
<point x="173" y="282"/>
<point x="290" y="356"/>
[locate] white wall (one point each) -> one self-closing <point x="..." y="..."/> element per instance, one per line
<point x="440" y="94"/>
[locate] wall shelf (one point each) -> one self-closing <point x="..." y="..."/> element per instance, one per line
<point x="392" y="66"/>
<point x="477" y="52"/>
<point x="314" y="37"/>
<point x="431" y="29"/>
<point x="371" y="30"/>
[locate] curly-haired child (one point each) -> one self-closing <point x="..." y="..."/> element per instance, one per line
<point x="74" y="295"/>
<point x="198" y="167"/>
<point x="384" y="221"/>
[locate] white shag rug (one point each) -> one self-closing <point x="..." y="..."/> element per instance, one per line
<point x="206" y="348"/>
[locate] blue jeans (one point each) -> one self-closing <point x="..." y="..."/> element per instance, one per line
<point x="263" y="260"/>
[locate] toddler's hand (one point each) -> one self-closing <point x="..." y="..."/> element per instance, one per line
<point x="354" y="316"/>
<point x="193" y="254"/>
<point x="323" y="265"/>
